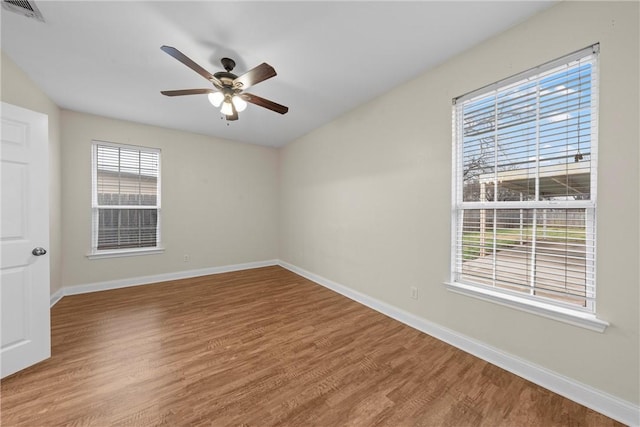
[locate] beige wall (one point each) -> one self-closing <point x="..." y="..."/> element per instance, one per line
<point x="219" y="200"/>
<point x="366" y="199"/>
<point x="18" y="89"/>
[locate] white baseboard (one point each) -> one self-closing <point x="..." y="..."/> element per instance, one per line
<point x="56" y="296"/>
<point x="583" y="394"/>
<point x="155" y="278"/>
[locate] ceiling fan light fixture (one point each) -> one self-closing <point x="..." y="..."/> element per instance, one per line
<point x="216" y="98"/>
<point x="227" y="108"/>
<point x="239" y="103"/>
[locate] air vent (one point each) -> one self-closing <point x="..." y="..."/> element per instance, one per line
<point x="25" y="8"/>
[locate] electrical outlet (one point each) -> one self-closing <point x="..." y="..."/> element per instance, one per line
<point x="414" y="292"/>
<point x="186" y="258"/>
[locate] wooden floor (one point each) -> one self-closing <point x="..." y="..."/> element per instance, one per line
<point x="261" y="347"/>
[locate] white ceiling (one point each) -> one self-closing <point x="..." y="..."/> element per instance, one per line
<point x="104" y="57"/>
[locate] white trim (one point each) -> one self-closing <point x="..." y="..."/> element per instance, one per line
<point x="607" y="404"/>
<point x="124" y="253"/>
<point x="56" y="297"/>
<point x="550" y="311"/>
<point x="147" y="280"/>
<point x="456" y="164"/>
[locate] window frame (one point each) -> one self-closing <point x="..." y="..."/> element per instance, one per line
<point x="96" y="253"/>
<point x="529" y="303"/>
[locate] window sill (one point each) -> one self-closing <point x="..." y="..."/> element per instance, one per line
<point x="124" y="253"/>
<point x="565" y="315"/>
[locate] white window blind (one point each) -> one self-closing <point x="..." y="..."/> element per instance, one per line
<point x="125" y="197"/>
<point x="524" y="196"/>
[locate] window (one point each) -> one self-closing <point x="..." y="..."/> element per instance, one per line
<point x="524" y="186"/>
<point x="125" y="199"/>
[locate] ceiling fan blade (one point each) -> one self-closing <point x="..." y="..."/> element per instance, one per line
<point x="254" y="76"/>
<point x="257" y="100"/>
<point x="186" y="92"/>
<point x="189" y="63"/>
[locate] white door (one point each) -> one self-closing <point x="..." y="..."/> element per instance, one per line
<point x="24" y="236"/>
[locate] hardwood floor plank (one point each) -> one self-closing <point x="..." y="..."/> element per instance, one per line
<point x="262" y="347"/>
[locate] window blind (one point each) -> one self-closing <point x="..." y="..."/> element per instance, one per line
<point x="524" y="202"/>
<point x="125" y="197"/>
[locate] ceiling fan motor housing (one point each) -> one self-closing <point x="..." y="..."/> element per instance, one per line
<point x="225" y="77"/>
<point x="228" y="63"/>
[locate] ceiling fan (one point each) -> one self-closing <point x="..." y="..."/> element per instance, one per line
<point x="228" y="89"/>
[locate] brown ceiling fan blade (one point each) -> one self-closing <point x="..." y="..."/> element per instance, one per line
<point x="257" y="100"/>
<point x="186" y="92"/>
<point x="254" y="76"/>
<point x="189" y="63"/>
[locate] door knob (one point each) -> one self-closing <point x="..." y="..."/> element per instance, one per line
<point x="39" y="251"/>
